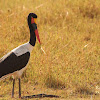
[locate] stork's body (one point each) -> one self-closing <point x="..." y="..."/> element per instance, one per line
<point x="14" y="63"/>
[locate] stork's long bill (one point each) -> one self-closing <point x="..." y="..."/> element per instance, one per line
<point x="33" y="21"/>
<point x="37" y="34"/>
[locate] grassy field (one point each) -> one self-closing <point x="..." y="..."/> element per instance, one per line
<point x="70" y="35"/>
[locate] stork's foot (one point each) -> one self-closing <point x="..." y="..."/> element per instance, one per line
<point x="12" y="96"/>
<point x="19" y="96"/>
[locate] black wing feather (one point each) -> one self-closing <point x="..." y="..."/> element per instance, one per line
<point x="11" y="63"/>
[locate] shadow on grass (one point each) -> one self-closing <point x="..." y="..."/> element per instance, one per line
<point x="40" y="96"/>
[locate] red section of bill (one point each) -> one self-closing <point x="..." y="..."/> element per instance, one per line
<point x="36" y="33"/>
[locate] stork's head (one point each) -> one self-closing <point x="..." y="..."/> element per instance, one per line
<point x="33" y="25"/>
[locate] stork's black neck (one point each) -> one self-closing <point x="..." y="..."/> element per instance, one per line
<point x="32" y="33"/>
<point x="32" y="38"/>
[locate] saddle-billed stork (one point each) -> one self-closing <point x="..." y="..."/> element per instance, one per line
<point x="14" y="63"/>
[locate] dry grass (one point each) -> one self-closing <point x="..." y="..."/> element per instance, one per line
<point x="70" y="33"/>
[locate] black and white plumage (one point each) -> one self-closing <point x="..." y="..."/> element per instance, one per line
<point x="14" y="63"/>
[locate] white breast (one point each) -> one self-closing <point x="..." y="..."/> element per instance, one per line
<point x="27" y="47"/>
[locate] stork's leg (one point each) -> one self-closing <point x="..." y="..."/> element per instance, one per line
<point x="19" y="88"/>
<point x="13" y="88"/>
